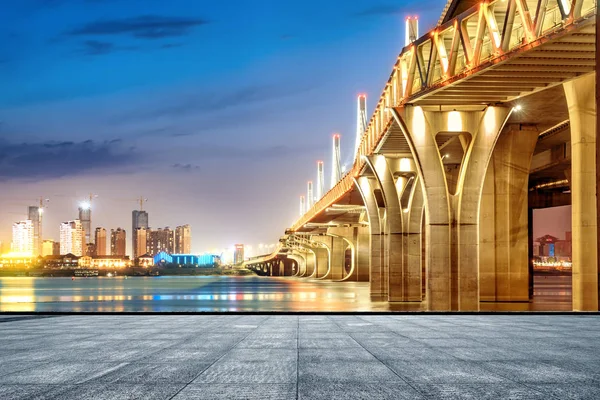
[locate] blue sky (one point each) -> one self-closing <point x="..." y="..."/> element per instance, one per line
<point x="214" y="111"/>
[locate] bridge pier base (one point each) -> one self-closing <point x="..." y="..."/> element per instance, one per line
<point x="452" y="186"/>
<point x="582" y="114"/>
<point x="503" y="227"/>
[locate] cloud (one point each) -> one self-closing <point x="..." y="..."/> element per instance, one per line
<point x="141" y="27"/>
<point x="209" y="103"/>
<point x="97" y="48"/>
<point x="38" y="161"/>
<point x="214" y="151"/>
<point x="185" y="167"/>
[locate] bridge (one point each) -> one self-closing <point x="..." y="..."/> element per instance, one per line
<point x="484" y="118"/>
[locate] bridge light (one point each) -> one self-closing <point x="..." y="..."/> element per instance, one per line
<point x="518" y="107"/>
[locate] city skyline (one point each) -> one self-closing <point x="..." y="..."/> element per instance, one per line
<point x="152" y="124"/>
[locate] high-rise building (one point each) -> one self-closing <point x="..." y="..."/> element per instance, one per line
<point x="85" y="216"/>
<point x="56" y="249"/>
<point x="238" y="254"/>
<point x="34" y="214"/>
<point x="183" y="239"/>
<point x="141" y="241"/>
<point x="72" y="238"/>
<point x="117" y="242"/>
<point x="160" y="240"/>
<point x="100" y="241"/>
<point x="139" y="219"/>
<point x="50" y="248"/>
<point x="23" y="237"/>
<point x="90" y="249"/>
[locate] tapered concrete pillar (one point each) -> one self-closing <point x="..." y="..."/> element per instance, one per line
<point x="363" y="250"/>
<point x="384" y="170"/>
<point x="377" y="280"/>
<point x="349" y="234"/>
<point x="582" y="114"/>
<point x="323" y="256"/>
<point x="338" y="258"/>
<point x="503" y="228"/>
<point x="413" y="290"/>
<point x="311" y="261"/>
<point x="452" y="216"/>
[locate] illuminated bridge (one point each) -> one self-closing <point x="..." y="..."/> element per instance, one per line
<point x="483" y="119"/>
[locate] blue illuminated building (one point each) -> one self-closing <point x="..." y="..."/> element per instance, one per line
<point x="205" y="260"/>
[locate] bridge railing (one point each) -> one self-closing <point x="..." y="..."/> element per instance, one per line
<point x="479" y="37"/>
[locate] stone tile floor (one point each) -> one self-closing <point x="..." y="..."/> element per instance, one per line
<point x="304" y="357"/>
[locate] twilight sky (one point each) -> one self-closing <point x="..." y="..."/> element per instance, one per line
<point x="216" y="111"/>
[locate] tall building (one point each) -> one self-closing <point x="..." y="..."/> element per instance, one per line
<point x="50" y="248"/>
<point x="100" y="241"/>
<point x="117" y="242"/>
<point x="238" y="254"/>
<point x="90" y="249"/>
<point x="139" y="219"/>
<point x="23" y="237"/>
<point x="141" y="241"/>
<point x="72" y="238"/>
<point x="85" y="216"/>
<point x="34" y="214"/>
<point x="160" y="240"/>
<point x="183" y="239"/>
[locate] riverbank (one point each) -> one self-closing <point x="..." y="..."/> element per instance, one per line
<point x="130" y="271"/>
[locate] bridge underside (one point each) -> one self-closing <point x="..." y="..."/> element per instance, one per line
<point x="438" y="206"/>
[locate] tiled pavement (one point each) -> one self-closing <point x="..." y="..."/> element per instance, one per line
<point x="306" y="357"/>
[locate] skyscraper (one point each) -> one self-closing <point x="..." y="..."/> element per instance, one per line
<point x="238" y="254"/>
<point x="34" y="214"/>
<point x="100" y="241"/>
<point x="183" y="239"/>
<point x="141" y="242"/>
<point x="139" y="219"/>
<point x="71" y="238"/>
<point x="23" y="237"/>
<point x="85" y="216"/>
<point x="117" y="242"/>
<point x="160" y="240"/>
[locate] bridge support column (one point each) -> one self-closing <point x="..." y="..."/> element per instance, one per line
<point x="413" y="254"/>
<point x="393" y="176"/>
<point x="582" y="114"/>
<point x="503" y="228"/>
<point x="323" y="256"/>
<point x="363" y="248"/>
<point x="377" y="277"/>
<point x="452" y="211"/>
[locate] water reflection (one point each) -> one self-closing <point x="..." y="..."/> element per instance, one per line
<point x="198" y="294"/>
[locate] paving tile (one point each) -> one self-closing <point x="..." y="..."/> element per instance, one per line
<point x="569" y="391"/>
<point x="30" y="392"/>
<point x="537" y="372"/>
<point x="149" y="373"/>
<point x="320" y="373"/>
<point x="327" y="343"/>
<point x="357" y="391"/>
<point x="240" y="371"/>
<point x="443" y="371"/>
<point x="119" y="391"/>
<point x="334" y="355"/>
<point x="238" y="391"/>
<point x="59" y="372"/>
<point x="493" y="391"/>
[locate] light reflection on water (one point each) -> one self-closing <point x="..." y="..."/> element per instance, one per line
<point x="202" y="294"/>
<point x="182" y="294"/>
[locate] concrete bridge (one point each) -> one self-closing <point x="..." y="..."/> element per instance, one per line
<point x="483" y="119"/>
